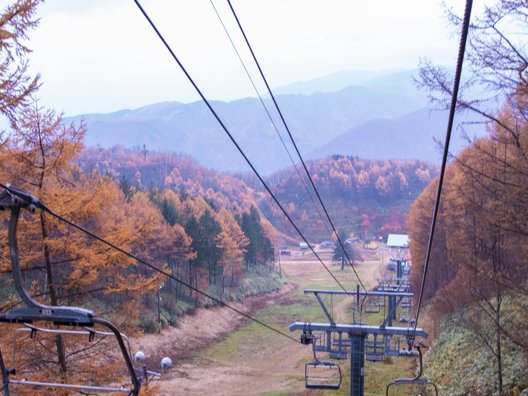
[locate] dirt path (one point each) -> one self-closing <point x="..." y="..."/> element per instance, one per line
<point x="257" y="366"/>
<point x="204" y="327"/>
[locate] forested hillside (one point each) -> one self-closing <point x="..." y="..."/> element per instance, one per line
<point x="207" y="236"/>
<point x="477" y="271"/>
<point x="142" y="169"/>
<point x="476" y="279"/>
<point x="366" y="197"/>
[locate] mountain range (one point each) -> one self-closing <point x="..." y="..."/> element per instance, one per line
<point x="377" y="115"/>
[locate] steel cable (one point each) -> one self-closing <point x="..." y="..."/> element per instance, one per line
<point x="452" y="110"/>
<point x="43" y="207"/>
<point x="233" y="140"/>
<point x="295" y="146"/>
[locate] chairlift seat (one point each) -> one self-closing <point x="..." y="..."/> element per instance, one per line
<point x="323" y="386"/>
<point x="342" y="343"/>
<point x="406" y="352"/>
<point x="411" y="381"/>
<point x="323" y="383"/>
<point x="374" y="357"/>
<point x="339" y="355"/>
<point x="372" y="309"/>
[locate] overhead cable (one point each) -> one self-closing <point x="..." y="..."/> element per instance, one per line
<point x="268" y="113"/>
<point x="295" y="145"/>
<point x="233" y="140"/>
<point x="43" y="207"/>
<point x="452" y="110"/>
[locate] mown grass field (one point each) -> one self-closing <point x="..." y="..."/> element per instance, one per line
<point x="281" y="361"/>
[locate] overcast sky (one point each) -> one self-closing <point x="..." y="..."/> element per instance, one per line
<point x="99" y="56"/>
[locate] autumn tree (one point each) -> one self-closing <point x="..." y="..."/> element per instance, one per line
<point x="480" y="239"/>
<point x="179" y="258"/>
<point x="260" y="248"/>
<point x="38" y="155"/>
<point x="16" y="20"/>
<point x="342" y="256"/>
<point x="233" y="243"/>
<point x="441" y="269"/>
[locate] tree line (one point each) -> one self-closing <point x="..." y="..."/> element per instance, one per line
<point x="369" y="198"/>
<point x="478" y="259"/>
<point x="207" y="233"/>
<point x="203" y="244"/>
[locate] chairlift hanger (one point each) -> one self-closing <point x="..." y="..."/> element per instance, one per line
<point x="15" y="200"/>
<point x="311" y="381"/>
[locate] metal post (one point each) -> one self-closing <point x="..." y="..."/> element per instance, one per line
<point x="391" y="309"/>
<point x="357" y="364"/>
<point x="159" y="312"/>
<point x="5" y="376"/>
<point x="399" y="271"/>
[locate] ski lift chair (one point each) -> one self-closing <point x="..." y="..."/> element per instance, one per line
<point x="341" y="353"/>
<point x="374" y="350"/>
<point x="372" y="306"/>
<point x="319" y="374"/>
<point x="322" y="374"/>
<point x="418" y="380"/>
<point x="15" y="200"/>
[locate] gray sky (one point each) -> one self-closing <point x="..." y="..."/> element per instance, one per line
<point x="102" y="56"/>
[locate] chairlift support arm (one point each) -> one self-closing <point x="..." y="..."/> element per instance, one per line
<point x="360" y="293"/>
<point x="357" y="329"/>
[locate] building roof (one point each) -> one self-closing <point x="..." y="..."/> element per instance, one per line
<point x="398" y="240"/>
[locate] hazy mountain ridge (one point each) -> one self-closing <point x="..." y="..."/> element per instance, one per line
<point x="413" y="136"/>
<point x="332" y="82"/>
<point x="321" y="123"/>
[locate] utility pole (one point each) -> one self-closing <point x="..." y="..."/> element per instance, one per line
<point x="159" y="308"/>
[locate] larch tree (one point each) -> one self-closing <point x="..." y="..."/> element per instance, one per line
<point x="37" y="157"/>
<point x="16" y="20"/>
<point x="481" y="233"/>
<point x="233" y="243"/>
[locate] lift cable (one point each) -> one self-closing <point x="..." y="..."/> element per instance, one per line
<point x="295" y="145"/>
<point x="454" y="100"/>
<point x="43" y="207"/>
<point x="217" y="117"/>
<point x="269" y="115"/>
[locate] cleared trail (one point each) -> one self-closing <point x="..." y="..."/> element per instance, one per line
<point x="217" y="352"/>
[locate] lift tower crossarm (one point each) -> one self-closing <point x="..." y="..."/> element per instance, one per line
<point x="360" y="293"/>
<point x="356" y="329"/>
